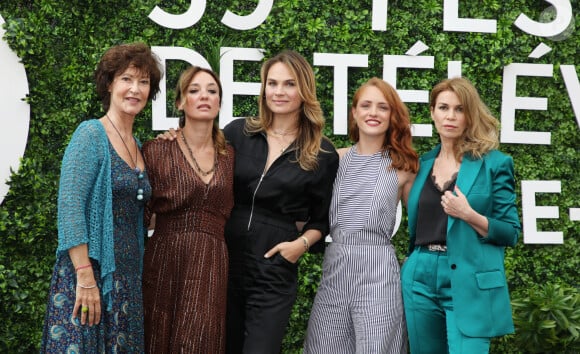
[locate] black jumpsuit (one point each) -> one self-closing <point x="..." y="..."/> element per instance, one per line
<point x="262" y="291"/>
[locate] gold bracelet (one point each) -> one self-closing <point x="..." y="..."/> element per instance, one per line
<point x="86" y="286"/>
<point x="306" y="243"/>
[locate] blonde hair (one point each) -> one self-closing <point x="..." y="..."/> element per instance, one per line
<point x="398" y="137"/>
<point x="311" y="120"/>
<point x="219" y="140"/>
<point x="482" y="129"/>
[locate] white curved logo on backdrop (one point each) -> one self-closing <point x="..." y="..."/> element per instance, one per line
<point x="14" y="112"/>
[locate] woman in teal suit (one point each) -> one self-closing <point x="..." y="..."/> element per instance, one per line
<point x="462" y="214"/>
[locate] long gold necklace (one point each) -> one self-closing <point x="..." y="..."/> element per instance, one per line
<point x="197" y="168"/>
<point x="135" y="167"/>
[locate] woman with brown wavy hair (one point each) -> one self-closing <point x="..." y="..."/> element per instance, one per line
<point x="185" y="267"/>
<point x="283" y="178"/>
<point x="462" y="215"/>
<point x="358" y="306"/>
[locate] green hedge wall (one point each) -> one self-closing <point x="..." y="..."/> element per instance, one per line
<point x="60" y="43"/>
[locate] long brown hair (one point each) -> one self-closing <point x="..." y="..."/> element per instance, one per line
<point x="398" y="139"/>
<point x="219" y="140"/>
<point x="482" y="128"/>
<point x="311" y="121"/>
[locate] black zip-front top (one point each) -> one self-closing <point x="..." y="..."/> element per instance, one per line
<point x="284" y="189"/>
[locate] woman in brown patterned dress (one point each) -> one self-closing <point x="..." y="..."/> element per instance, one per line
<point x="186" y="262"/>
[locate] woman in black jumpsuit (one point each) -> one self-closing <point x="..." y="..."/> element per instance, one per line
<point x="284" y="172"/>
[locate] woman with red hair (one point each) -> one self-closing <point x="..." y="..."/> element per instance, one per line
<point x="358" y="307"/>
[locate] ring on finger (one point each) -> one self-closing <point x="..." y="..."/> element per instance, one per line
<point x="84" y="309"/>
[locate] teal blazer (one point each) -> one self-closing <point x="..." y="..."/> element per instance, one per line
<point x="478" y="284"/>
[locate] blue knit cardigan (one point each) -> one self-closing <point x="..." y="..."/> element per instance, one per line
<point x="85" y="201"/>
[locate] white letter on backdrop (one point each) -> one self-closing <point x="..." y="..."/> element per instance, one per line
<point x="510" y="102"/>
<point x="452" y="22"/>
<point x="341" y="63"/>
<point x="159" y="105"/>
<point x="390" y="65"/>
<point x="454" y="68"/>
<point x="573" y="88"/>
<point x="550" y="29"/>
<point x="231" y="87"/>
<point x="531" y="212"/>
<point x="250" y="21"/>
<point x="379" y="15"/>
<point x="14" y="112"/>
<point x="187" y="19"/>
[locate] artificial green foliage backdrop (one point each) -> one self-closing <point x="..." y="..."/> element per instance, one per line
<point x="60" y="43"/>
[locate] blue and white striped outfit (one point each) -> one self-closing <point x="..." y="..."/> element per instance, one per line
<point x="358" y="307"/>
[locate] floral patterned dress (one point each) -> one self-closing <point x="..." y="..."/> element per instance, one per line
<point x="121" y="328"/>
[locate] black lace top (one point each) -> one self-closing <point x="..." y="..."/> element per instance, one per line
<point x="431" y="219"/>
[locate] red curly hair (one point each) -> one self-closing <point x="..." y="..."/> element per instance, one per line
<point x="398" y="139"/>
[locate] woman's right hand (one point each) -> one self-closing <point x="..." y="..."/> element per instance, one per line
<point x="170" y="135"/>
<point x="88" y="298"/>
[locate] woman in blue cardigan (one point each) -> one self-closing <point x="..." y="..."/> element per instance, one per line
<point x="95" y="302"/>
<point x="462" y="214"/>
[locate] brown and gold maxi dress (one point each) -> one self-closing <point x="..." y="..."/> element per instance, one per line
<point x="185" y="266"/>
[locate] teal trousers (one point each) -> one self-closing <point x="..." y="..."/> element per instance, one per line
<point x="428" y="303"/>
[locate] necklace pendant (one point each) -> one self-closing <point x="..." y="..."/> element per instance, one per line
<point x="140" y="176"/>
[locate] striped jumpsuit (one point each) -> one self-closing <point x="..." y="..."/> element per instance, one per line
<point x="358" y="307"/>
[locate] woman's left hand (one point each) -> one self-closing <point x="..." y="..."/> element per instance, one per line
<point x="291" y="251"/>
<point x="456" y="205"/>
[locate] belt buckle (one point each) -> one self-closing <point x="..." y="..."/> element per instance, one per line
<point x="437" y="248"/>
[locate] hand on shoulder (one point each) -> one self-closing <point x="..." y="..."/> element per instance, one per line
<point x="170" y="135"/>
